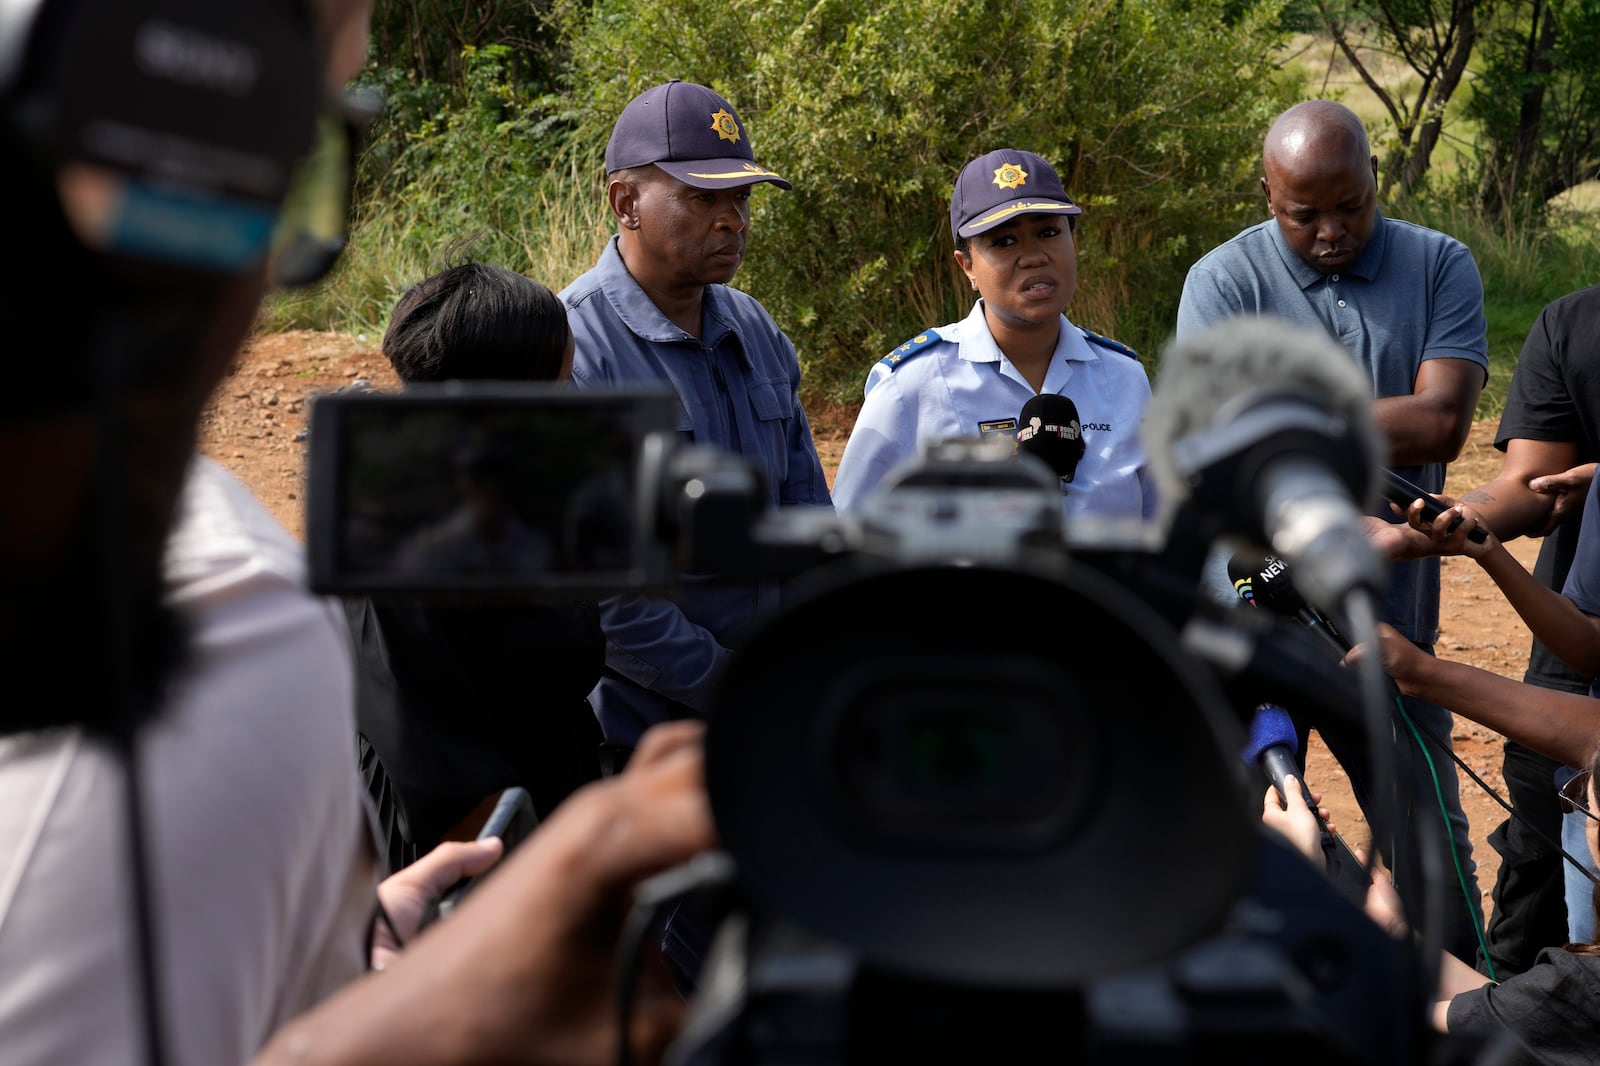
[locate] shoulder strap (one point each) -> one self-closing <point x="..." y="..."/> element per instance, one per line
<point x="1106" y="342"/>
<point x="910" y="348"/>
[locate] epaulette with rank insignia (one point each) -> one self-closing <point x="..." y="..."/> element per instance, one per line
<point x="1106" y="342"/>
<point x="916" y="344"/>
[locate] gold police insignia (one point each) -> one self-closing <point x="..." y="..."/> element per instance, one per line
<point x="726" y="125"/>
<point x="1010" y="176"/>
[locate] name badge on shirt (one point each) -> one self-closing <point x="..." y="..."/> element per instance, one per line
<point x="1007" y="426"/>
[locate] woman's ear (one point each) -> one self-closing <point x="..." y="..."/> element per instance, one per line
<point x="964" y="261"/>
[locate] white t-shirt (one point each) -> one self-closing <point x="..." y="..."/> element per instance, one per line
<point x="260" y="844"/>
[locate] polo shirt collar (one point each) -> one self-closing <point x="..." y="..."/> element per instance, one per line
<point x="641" y="315"/>
<point x="1366" y="266"/>
<point x="1371" y="260"/>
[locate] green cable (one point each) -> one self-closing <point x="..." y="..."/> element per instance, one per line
<point x="1455" y="857"/>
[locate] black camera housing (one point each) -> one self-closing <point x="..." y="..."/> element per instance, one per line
<point x="955" y="772"/>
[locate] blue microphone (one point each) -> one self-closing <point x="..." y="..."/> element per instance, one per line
<point x="1274" y="742"/>
<point x="1272" y="747"/>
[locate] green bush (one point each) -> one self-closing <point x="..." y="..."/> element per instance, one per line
<point x="1153" y="114"/>
<point x="1523" y="267"/>
<point x="478" y="163"/>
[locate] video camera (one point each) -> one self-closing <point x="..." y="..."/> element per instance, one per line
<point x="979" y="778"/>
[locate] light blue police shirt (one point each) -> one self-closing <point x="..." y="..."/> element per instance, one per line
<point x="955" y="382"/>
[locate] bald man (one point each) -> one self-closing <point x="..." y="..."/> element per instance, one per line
<point x="1407" y="302"/>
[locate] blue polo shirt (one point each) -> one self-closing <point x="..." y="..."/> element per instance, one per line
<point x="1414" y="294"/>
<point x="738" y="386"/>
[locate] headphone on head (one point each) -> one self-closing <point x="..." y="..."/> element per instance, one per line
<point x="168" y="129"/>
<point x="149" y="145"/>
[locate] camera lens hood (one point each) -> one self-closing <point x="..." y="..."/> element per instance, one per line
<point x="979" y="774"/>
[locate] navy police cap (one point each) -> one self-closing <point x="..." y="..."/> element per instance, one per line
<point x="1001" y="185"/>
<point x="691" y="133"/>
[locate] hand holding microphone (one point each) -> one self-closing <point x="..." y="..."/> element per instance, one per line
<point x="1048" y="429"/>
<point x="1272" y="747"/>
<point x="1294" y="815"/>
<point x="1405" y="663"/>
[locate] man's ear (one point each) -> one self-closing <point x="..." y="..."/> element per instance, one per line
<point x="623" y="196"/>
<point x="1266" y="190"/>
<point x="1374" y="160"/>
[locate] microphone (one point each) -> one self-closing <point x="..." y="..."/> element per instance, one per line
<point x="1263" y="581"/>
<point x="1048" y="428"/>
<point x="1266" y="431"/>
<point x="1272" y="747"/>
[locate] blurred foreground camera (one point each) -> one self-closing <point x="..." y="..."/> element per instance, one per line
<point x="979" y="778"/>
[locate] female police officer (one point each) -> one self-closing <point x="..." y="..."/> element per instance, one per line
<point x="1013" y="227"/>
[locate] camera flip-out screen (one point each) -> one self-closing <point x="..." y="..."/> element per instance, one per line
<point x="484" y="489"/>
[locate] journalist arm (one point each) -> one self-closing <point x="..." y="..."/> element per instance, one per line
<point x="524" y="970"/>
<point x="1560" y="725"/>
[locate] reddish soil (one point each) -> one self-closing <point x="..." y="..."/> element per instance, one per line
<point x="256" y="425"/>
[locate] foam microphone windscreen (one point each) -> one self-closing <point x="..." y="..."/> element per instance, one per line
<point x="1048" y="428"/>
<point x="1270" y="727"/>
<point x="1207" y="379"/>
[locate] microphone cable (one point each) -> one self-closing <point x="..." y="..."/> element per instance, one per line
<point x="1418" y="731"/>
<point x="1375" y="685"/>
<point x="110" y="512"/>
<point x="1474" y="906"/>
<point x="1390" y="692"/>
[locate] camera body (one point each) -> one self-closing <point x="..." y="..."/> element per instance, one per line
<point x="954" y="772"/>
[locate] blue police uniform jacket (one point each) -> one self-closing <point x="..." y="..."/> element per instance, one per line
<point x="738" y="386"/>
<point x="955" y="382"/>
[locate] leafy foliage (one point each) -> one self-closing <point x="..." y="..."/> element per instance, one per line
<point x="1537" y="102"/>
<point x="429" y="38"/>
<point x="1152" y="113"/>
<point x="1523" y="268"/>
<point x="454" y="170"/>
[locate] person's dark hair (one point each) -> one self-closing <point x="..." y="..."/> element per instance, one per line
<point x="477" y="321"/>
<point x="1591" y="948"/>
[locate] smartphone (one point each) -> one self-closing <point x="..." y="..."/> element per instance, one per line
<point x="1401" y="492"/>
<point x="486" y="489"/>
<point x="512" y="820"/>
